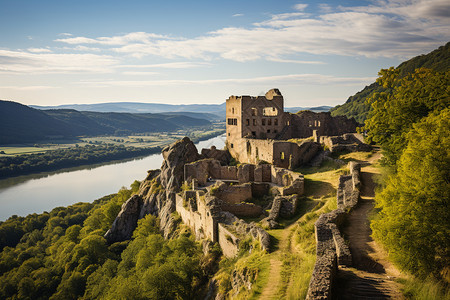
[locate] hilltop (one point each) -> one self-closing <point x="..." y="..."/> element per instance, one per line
<point x="356" y="105"/>
<point x="22" y="124"/>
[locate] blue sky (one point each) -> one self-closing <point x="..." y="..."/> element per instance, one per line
<point x="315" y="52"/>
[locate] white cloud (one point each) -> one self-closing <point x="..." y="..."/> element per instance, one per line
<point x="238" y="15"/>
<point x="133" y="73"/>
<point x="25" y="62"/>
<point x="297" y="79"/>
<point x="133" y="37"/>
<point x="29" y="88"/>
<point x="65" y="34"/>
<point x="293" y="61"/>
<point x="398" y="28"/>
<point x="300" y="6"/>
<point x="174" y="65"/>
<point x="39" y="50"/>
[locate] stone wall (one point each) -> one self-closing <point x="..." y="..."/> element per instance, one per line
<point x="228" y="241"/>
<point x="231" y="194"/>
<point x="243" y="210"/>
<point x="305" y="122"/>
<point x="349" y="141"/>
<point x="331" y="249"/>
<point x="289" y="182"/>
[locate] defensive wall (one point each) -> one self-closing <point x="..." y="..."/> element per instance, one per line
<point x="331" y="249"/>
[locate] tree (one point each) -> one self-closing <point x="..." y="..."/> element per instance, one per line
<point x="414" y="219"/>
<point x="406" y="101"/>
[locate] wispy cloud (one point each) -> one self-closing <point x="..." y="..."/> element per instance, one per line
<point x="238" y="15"/>
<point x="310" y="79"/>
<point x="300" y="6"/>
<point x="173" y="65"/>
<point x="143" y="73"/>
<point x="26" y="62"/>
<point x="39" y="50"/>
<point x="397" y="28"/>
<point x="28" y="88"/>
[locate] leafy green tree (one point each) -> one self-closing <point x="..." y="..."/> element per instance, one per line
<point x="412" y="98"/>
<point x="414" y="219"/>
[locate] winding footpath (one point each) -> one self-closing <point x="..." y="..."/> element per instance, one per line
<point x="372" y="275"/>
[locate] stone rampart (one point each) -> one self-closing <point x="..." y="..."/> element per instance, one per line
<point x="331" y="249"/>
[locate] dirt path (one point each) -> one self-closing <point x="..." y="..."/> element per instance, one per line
<point x="372" y="275"/>
<point x="271" y="288"/>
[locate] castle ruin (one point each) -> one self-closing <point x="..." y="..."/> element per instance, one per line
<point x="258" y="129"/>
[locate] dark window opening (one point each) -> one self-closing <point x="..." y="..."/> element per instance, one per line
<point x="275" y="122"/>
<point x="231" y="145"/>
<point x="275" y="131"/>
<point x="269" y="122"/>
<point x="254" y="122"/>
<point x="228" y="134"/>
<point x="254" y="112"/>
<point x="268" y="130"/>
<point x="263" y="122"/>
<point x="254" y="133"/>
<point x="247" y="122"/>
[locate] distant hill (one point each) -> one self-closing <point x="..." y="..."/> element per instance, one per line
<point x="210" y="112"/>
<point x="356" y="106"/>
<point x="314" y="109"/>
<point x="22" y="124"/>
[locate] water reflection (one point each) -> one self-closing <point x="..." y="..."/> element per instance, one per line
<point x="42" y="192"/>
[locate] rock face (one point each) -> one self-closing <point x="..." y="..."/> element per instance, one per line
<point x="175" y="157"/>
<point x="126" y="221"/>
<point x="156" y="193"/>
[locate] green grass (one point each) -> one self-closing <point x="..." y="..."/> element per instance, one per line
<point x="428" y="289"/>
<point x="10" y="151"/>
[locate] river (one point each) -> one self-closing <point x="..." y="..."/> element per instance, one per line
<point x="37" y="193"/>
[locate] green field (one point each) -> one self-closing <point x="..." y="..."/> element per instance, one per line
<point x="144" y="140"/>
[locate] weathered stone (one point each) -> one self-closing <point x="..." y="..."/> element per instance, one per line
<point x="175" y="157"/>
<point x="126" y="221"/>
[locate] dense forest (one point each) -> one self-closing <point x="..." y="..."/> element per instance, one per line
<point x="411" y="123"/>
<point x="63" y="255"/>
<point x="357" y="105"/>
<point x="66" y="158"/>
<point x="22" y="124"/>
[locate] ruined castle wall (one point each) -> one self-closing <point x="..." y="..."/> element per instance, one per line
<point x="303" y="124"/>
<point x="243" y="210"/>
<point x="228" y="241"/>
<point x="260" y="189"/>
<point x="233" y="194"/>
<point x="200" y="220"/>
<point x="331" y="249"/>
<point x="227" y="173"/>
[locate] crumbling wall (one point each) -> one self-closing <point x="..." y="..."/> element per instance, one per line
<point x="331" y="249"/>
<point x="243" y="210"/>
<point x="231" y="194"/>
<point x="303" y="123"/>
<point x="228" y="241"/>
<point x="349" y="141"/>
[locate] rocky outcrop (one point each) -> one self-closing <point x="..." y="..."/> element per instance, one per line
<point x="126" y="221"/>
<point x="331" y="249"/>
<point x="156" y="193"/>
<point x="175" y="157"/>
